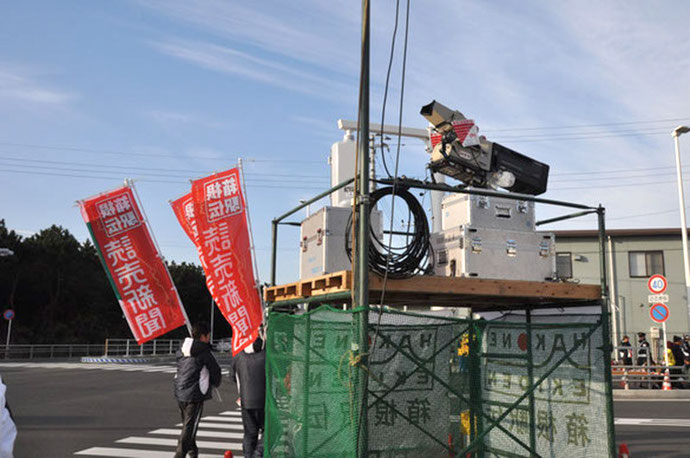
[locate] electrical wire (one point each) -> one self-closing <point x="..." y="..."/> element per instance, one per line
<point x="385" y="89"/>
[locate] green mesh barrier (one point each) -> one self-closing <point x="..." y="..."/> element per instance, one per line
<point x="437" y="387"/>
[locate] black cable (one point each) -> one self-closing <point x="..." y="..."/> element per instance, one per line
<point x="385" y="90"/>
<point x="405" y="261"/>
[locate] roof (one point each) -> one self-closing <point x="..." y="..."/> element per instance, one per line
<point x="646" y="232"/>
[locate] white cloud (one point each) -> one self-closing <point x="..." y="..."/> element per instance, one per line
<point x="174" y="119"/>
<point x="232" y="61"/>
<point x="15" y="86"/>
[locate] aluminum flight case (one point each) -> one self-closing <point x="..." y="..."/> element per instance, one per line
<point x="322" y="241"/>
<point x="486" y="211"/>
<point x="468" y="251"/>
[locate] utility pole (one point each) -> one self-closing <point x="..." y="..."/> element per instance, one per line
<point x="361" y="274"/>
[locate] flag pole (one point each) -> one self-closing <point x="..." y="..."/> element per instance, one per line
<point x="251" y="235"/>
<point x="129" y="183"/>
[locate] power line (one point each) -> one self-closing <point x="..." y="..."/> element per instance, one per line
<point x="583" y="126"/>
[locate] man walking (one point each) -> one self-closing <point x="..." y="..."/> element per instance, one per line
<point x="248" y="369"/>
<point x="197" y="373"/>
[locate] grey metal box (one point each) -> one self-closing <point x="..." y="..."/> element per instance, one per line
<point x="489" y="212"/>
<point x="469" y="251"/>
<point x="322" y="241"/>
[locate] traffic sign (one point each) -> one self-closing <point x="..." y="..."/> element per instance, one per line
<point x="659" y="312"/>
<point x="653" y="298"/>
<point x="8" y="314"/>
<point x="657" y="284"/>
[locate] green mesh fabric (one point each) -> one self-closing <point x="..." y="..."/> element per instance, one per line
<point x="422" y="379"/>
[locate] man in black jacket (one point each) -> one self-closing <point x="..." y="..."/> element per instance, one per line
<point x="248" y="370"/>
<point x="197" y="373"/>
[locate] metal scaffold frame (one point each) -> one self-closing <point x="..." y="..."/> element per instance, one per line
<point x="477" y="411"/>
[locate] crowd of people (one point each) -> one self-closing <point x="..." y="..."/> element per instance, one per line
<point x="676" y="356"/>
<point x="198" y="374"/>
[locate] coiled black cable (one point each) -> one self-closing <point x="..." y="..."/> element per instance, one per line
<point x="413" y="258"/>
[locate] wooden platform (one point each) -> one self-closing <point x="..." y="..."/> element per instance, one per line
<point x="478" y="293"/>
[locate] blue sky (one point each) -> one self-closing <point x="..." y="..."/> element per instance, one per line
<point x="162" y="91"/>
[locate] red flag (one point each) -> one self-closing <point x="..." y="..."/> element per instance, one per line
<point x="223" y="240"/>
<point x="134" y="267"/>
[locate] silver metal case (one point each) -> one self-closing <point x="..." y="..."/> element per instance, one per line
<point x="322" y="241"/>
<point x="487" y="212"/>
<point x="469" y="251"/>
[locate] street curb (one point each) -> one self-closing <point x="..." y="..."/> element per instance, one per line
<point x="651" y="394"/>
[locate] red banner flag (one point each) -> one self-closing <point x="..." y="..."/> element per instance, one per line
<point x="134" y="267"/>
<point x="223" y="241"/>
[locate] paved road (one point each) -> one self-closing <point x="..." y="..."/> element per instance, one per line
<point x="64" y="409"/>
<point x="72" y="408"/>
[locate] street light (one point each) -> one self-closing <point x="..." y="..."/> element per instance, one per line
<point x="680" y="130"/>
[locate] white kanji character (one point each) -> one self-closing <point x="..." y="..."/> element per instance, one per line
<point x="129" y="274"/>
<point x="215" y="210"/>
<point x="232" y="205"/>
<point x="122" y="203"/>
<point x="112" y="226"/>
<point x="214" y="191"/>
<point x="222" y="265"/>
<point x="240" y="320"/>
<point x="189" y="210"/>
<point x="129" y="219"/>
<point x="106" y="209"/>
<point x="224" y="233"/>
<point x="230" y="295"/>
<point x="211" y="240"/>
<point x="150" y="322"/>
<point x="229" y="186"/>
<point x="120" y="250"/>
<point x="142" y="298"/>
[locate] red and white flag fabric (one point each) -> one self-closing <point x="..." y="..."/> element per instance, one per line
<point x="223" y="242"/>
<point x="465" y="129"/>
<point x="134" y="266"/>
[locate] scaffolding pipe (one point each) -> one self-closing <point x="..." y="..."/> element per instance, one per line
<point x="606" y="328"/>
<point x="530" y="377"/>
<point x="564" y="217"/>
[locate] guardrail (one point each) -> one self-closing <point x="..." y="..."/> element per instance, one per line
<point x="648" y="377"/>
<point x="111" y="347"/>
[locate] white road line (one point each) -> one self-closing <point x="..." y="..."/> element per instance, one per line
<point x="173" y="442"/>
<point x="227" y="418"/>
<point x="234" y="413"/>
<point x="199" y="433"/>
<point x="673" y="422"/>
<point x="204" y="424"/>
<point x="134" y="453"/>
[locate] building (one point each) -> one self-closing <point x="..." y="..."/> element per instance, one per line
<point x="636" y="254"/>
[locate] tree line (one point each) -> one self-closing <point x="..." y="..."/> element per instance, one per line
<point x="60" y="293"/>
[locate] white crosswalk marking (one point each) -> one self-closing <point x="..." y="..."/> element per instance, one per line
<point x="672" y="422"/>
<point x="216" y="433"/>
<point x="134" y="453"/>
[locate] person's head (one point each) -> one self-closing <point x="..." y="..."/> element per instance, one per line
<point x="677" y="340"/>
<point x="201" y="331"/>
<point x="626" y="339"/>
<point x="641" y="336"/>
<point x="687" y="337"/>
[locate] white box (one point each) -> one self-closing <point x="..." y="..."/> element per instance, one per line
<point x="489" y="212"/>
<point x="322" y="241"/>
<point x="468" y="251"/>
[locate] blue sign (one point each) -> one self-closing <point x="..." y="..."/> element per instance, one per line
<point x="659" y="312"/>
<point x="8" y="314"/>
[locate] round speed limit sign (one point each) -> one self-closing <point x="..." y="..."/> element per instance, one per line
<point x="657" y="284"/>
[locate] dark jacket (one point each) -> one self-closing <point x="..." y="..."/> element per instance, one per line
<point x="197" y="371"/>
<point x="250" y="370"/>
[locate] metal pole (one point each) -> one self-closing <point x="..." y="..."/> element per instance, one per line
<point x="530" y="376"/>
<point x="663" y="344"/>
<point x="606" y="330"/>
<point x="7" y="342"/>
<point x="683" y="222"/>
<point x="251" y="235"/>
<point x="361" y="277"/>
<point x="274" y="250"/>
<point x="211" y="320"/>
<point x="613" y="288"/>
